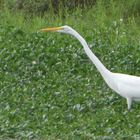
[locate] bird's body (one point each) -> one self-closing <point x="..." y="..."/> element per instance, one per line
<point x="128" y="86"/>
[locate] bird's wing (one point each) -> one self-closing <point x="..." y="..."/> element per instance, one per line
<point x="129" y="79"/>
<point x="128" y="85"/>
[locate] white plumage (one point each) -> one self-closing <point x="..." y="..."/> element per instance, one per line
<point x="128" y="86"/>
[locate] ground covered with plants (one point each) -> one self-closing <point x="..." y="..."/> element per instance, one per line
<point x="49" y="89"/>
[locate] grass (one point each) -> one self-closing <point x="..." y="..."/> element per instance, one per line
<point x="49" y="89"/>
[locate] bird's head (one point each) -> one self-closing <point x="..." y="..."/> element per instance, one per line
<point x="63" y="29"/>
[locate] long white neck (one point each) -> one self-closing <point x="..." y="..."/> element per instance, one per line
<point x="102" y="69"/>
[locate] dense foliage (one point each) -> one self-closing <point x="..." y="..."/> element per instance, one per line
<point x="49" y="89"/>
<point x="61" y="7"/>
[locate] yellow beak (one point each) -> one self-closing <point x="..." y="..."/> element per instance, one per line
<point x="51" y="29"/>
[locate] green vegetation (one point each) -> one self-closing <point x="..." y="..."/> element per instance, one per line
<point x="49" y="89"/>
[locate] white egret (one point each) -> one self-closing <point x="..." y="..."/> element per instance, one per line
<point x="128" y="86"/>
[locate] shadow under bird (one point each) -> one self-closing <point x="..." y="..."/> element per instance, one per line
<point x="128" y="86"/>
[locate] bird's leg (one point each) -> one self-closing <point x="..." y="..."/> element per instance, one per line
<point x="129" y="102"/>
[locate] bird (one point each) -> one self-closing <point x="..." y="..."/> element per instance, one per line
<point x="127" y="86"/>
